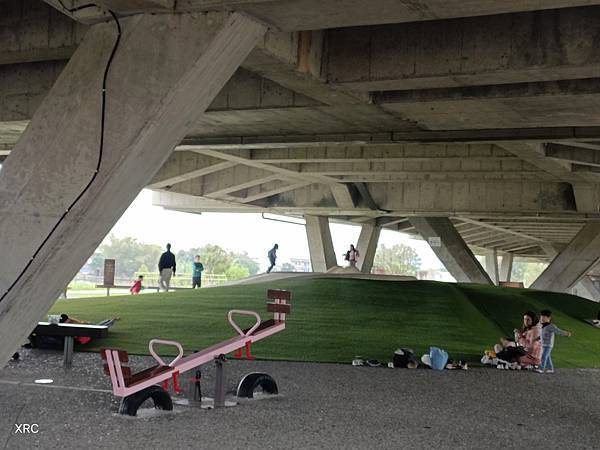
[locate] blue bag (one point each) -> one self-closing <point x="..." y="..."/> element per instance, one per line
<point x="439" y="358"/>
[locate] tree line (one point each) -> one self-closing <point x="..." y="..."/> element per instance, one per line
<point x="133" y="257"/>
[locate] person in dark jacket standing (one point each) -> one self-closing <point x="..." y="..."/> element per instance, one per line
<point x="166" y="268"/>
<point x="197" y="274"/>
<point x="272" y="255"/>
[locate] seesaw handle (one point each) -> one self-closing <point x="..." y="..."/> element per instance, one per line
<point x="243" y="313"/>
<point x="165" y="342"/>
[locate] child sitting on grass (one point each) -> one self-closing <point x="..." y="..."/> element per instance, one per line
<point x="137" y="286"/>
<point x="547" y="336"/>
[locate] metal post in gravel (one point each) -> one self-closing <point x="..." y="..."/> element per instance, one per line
<point x="220" y="382"/>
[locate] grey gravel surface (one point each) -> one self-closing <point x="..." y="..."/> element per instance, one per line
<point x="320" y="406"/>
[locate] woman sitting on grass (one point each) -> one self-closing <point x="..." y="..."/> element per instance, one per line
<point x="526" y="347"/>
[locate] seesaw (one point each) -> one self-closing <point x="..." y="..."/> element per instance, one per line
<point x="153" y="382"/>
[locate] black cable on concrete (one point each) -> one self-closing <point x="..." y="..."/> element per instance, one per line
<point x="101" y="150"/>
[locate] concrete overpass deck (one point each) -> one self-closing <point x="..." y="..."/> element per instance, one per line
<point x="473" y="125"/>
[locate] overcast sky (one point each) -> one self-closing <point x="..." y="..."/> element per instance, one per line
<point x="242" y="232"/>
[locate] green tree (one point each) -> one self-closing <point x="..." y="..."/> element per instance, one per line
<point x="130" y="255"/>
<point x="96" y="263"/>
<point x="399" y="260"/>
<point x="526" y="272"/>
<point x="235" y="272"/>
<point x="215" y="259"/>
<point x="185" y="258"/>
<point x="243" y="260"/>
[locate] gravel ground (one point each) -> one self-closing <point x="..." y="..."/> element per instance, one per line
<point x="319" y="406"/>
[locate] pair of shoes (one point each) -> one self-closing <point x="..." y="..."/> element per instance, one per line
<point x="550" y="371"/>
<point x="539" y="370"/>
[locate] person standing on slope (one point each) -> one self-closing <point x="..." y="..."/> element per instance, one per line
<point x="166" y="268"/>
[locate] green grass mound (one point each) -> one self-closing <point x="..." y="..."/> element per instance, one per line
<point x="334" y="320"/>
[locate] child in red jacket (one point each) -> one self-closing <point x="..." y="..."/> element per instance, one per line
<point x="137" y="286"/>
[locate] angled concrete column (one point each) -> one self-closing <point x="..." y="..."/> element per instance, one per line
<point x="166" y="71"/>
<point x="367" y="246"/>
<point x="320" y="245"/>
<point x="450" y="248"/>
<point x="491" y="265"/>
<point x="587" y="288"/>
<point x="571" y="264"/>
<point x="506" y="266"/>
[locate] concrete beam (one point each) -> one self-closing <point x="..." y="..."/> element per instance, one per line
<point x="452" y="251"/>
<point x="571" y="264"/>
<point x="343" y="13"/>
<point x="587" y="197"/>
<point x="571" y="154"/>
<point x="506" y="266"/>
<point x="512" y="48"/>
<point x="367" y="246"/>
<point x="531" y="104"/>
<point x="320" y="244"/>
<point x="470" y="136"/>
<point x="339" y="190"/>
<point x="461" y="198"/>
<point x="56" y="206"/>
<point x="31" y="31"/>
<point x="280" y="188"/>
<point x="184" y="166"/>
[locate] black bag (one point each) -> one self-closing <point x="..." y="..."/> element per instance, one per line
<point x="511" y="354"/>
<point x="403" y="357"/>
<point x="347" y="257"/>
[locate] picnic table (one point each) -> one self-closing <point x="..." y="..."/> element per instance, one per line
<point x="69" y="331"/>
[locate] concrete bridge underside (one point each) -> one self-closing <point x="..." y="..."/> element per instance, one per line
<point x="473" y="123"/>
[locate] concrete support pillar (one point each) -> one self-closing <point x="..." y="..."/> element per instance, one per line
<point x="166" y="71"/>
<point x="450" y="248"/>
<point x="571" y="264"/>
<point x="586" y="288"/>
<point x="506" y="266"/>
<point x="491" y="266"/>
<point x="367" y="246"/>
<point x="320" y="244"/>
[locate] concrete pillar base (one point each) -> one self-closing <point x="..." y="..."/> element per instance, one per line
<point x="320" y="244"/>
<point x="367" y="246"/>
<point x="506" y="267"/>
<point x="450" y="248"/>
<point x="571" y="264"/>
<point x="491" y="266"/>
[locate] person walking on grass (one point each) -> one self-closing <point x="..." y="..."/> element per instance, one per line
<point x="547" y="335"/>
<point x="197" y="274"/>
<point x="272" y="255"/>
<point x="166" y="268"/>
<point x="352" y="256"/>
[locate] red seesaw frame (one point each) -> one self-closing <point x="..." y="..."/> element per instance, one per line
<point x="125" y="384"/>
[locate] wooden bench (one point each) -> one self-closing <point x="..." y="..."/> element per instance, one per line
<point x="511" y="284"/>
<point x="131" y="379"/>
<point x="69" y="331"/>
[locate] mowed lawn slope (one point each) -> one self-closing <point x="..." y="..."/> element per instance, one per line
<point x="334" y="320"/>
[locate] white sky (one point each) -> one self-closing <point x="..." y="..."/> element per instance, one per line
<point x="242" y="232"/>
